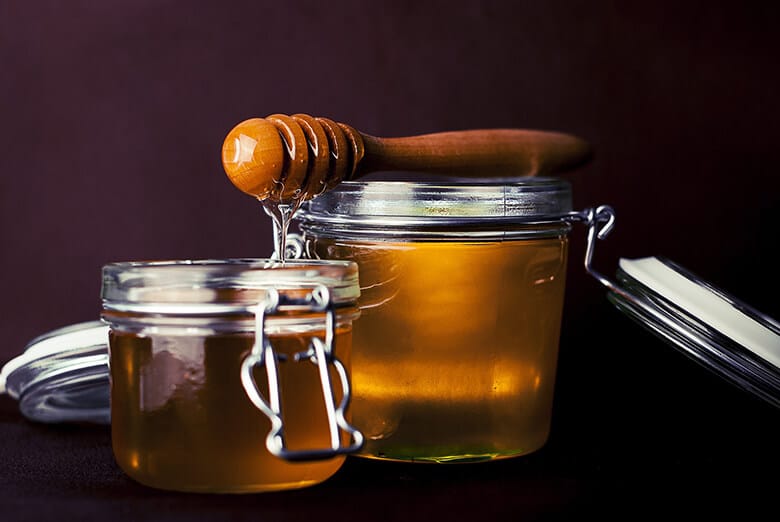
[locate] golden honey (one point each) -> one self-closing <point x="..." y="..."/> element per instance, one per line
<point x="456" y="347"/>
<point x="228" y="376"/>
<point x="462" y="286"/>
<point x="181" y="419"/>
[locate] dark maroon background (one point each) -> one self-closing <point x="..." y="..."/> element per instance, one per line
<point x="112" y="116"/>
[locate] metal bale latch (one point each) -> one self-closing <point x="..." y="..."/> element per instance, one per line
<point x="319" y="353"/>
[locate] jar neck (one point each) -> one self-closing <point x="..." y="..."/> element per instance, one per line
<point x="435" y="229"/>
<point x="239" y="323"/>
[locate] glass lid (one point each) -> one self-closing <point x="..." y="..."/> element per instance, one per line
<point x="717" y="330"/>
<point x="62" y="376"/>
<point x="707" y="324"/>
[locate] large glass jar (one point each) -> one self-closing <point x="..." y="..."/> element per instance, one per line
<point x="230" y="375"/>
<point x="462" y="285"/>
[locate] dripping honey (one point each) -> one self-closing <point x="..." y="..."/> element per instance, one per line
<point x="281" y="216"/>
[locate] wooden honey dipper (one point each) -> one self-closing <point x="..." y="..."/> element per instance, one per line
<point x="293" y="158"/>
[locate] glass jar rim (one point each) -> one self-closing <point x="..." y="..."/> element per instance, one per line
<point x="221" y="285"/>
<point x="477" y="209"/>
<point x="525" y="198"/>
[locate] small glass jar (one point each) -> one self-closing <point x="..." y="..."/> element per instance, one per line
<point x="462" y="286"/>
<point x="230" y="375"/>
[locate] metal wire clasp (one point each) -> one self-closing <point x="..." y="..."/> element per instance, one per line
<point x="319" y="353"/>
<point x="600" y="222"/>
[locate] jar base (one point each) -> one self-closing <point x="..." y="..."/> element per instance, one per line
<point x="461" y="458"/>
<point x="244" y="489"/>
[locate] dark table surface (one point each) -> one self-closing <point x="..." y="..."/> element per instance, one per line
<point x="667" y="439"/>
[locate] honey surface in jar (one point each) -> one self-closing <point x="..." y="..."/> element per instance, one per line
<point x="181" y="419"/>
<point x="455" y="352"/>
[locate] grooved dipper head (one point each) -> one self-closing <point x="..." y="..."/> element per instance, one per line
<point x="253" y="157"/>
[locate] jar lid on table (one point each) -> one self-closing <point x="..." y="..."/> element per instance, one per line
<point x="62" y="376"/>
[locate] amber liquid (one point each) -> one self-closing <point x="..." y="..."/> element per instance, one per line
<point x="181" y="419"/>
<point x="455" y="352"/>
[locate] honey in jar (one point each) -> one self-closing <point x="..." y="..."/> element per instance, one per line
<point x="454" y="357"/>
<point x="185" y="389"/>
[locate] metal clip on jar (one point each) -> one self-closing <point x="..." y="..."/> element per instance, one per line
<point x="456" y="350"/>
<point x="222" y="372"/>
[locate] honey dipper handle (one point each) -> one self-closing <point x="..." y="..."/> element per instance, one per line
<point x="476" y="153"/>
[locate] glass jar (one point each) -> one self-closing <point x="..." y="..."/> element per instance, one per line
<point x="462" y="287"/>
<point x="230" y="375"/>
